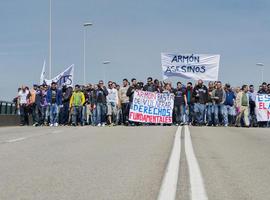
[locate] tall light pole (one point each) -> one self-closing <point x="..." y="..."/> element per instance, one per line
<point x="262" y="69"/>
<point x="104" y="71"/>
<point x="85" y="25"/>
<point x="50" y="41"/>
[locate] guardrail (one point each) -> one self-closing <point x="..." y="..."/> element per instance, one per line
<point x="7" y="108"/>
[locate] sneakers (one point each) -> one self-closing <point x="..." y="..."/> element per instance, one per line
<point x="103" y="124"/>
<point x="55" y="124"/>
<point x="99" y="125"/>
<point x="51" y="125"/>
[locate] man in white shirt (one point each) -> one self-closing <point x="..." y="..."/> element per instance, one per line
<point x="112" y="103"/>
<point x="23" y="101"/>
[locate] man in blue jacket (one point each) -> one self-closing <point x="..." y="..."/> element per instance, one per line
<point x="54" y="99"/>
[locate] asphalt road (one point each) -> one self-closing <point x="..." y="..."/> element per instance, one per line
<point x="86" y="163"/>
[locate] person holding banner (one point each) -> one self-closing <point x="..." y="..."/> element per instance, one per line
<point x="242" y="106"/>
<point x="180" y="104"/>
<point x="200" y="94"/>
<point x="54" y="99"/>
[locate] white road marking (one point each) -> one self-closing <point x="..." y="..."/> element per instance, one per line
<point x="196" y="181"/>
<point x="170" y="179"/>
<point x="16" y="140"/>
<point x="31" y="136"/>
<point x="57" y="131"/>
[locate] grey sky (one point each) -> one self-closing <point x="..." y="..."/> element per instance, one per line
<point x="131" y="34"/>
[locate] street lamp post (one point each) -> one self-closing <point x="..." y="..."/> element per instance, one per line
<point x="85" y="25"/>
<point x="50" y="40"/>
<point x="104" y="71"/>
<point x="262" y="70"/>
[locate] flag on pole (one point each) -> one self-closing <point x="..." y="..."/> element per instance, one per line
<point x="42" y="75"/>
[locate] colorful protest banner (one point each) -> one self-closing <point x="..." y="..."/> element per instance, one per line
<point x="151" y="107"/>
<point x="263" y="107"/>
<point x="190" y="66"/>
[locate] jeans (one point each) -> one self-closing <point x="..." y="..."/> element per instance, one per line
<point x="101" y="113"/>
<point x="38" y="115"/>
<point x="190" y="113"/>
<point x="220" y="110"/>
<point x="94" y="116"/>
<point x="34" y="113"/>
<point x="229" y="114"/>
<point x="65" y="113"/>
<point x="125" y="112"/>
<point x="180" y="114"/>
<point x="77" y="115"/>
<point x="24" y="114"/>
<point x="199" y="110"/>
<point x="54" y="113"/>
<point x="210" y="114"/>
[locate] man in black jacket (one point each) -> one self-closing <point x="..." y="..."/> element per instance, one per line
<point x="101" y="94"/>
<point x="150" y="86"/>
<point x="200" y="94"/>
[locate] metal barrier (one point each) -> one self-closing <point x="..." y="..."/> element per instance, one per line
<point x="7" y="108"/>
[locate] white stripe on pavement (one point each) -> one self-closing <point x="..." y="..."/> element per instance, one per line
<point x="169" y="182"/>
<point x="16" y="140"/>
<point x="196" y="181"/>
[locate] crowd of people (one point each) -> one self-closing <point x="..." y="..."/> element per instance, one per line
<point x="98" y="105"/>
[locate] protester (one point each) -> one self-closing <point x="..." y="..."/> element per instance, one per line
<point x="219" y="97"/>
<point x="97" y="105"/>
<point x="242" y="106"/>
<point x="252" y="105"/>
<point x="54" y="99"/>
<point x="23" y="103"/>
<point x="200" y="94"/>
<point x="101" y="103"/>
<point x="180" y="104"/>
<point x="112" y="103"/>
<point x="124" y="101"/>
<point x="210" y="109"/>
<point x="77" y="101"/>
<point x="230" y="112"/>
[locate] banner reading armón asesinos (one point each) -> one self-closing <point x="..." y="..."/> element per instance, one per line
<point x="263" y="107"/>
<point x="151" y="107"/>
<point x="190" y="66"/>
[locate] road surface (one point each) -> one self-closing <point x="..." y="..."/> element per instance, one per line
<point x="136" y="163"/>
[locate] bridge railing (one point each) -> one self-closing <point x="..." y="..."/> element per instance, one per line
<point x="7" y="108"/>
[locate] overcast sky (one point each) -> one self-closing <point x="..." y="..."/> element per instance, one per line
<point x="131" y="34"/>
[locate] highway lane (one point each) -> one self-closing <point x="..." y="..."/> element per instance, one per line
<point x="131" y="162"/>
<point x="84" y="163"/>
<point x="234" y="162"/>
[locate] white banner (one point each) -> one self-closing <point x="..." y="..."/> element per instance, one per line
<point x="190" y="66"/>
<point x="64" y="78"/>
<point x="263" y="107"/>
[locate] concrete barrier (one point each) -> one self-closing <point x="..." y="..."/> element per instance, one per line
<point x="9" y="120"/>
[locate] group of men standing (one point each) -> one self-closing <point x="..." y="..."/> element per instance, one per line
<point x="101" y="105"/>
